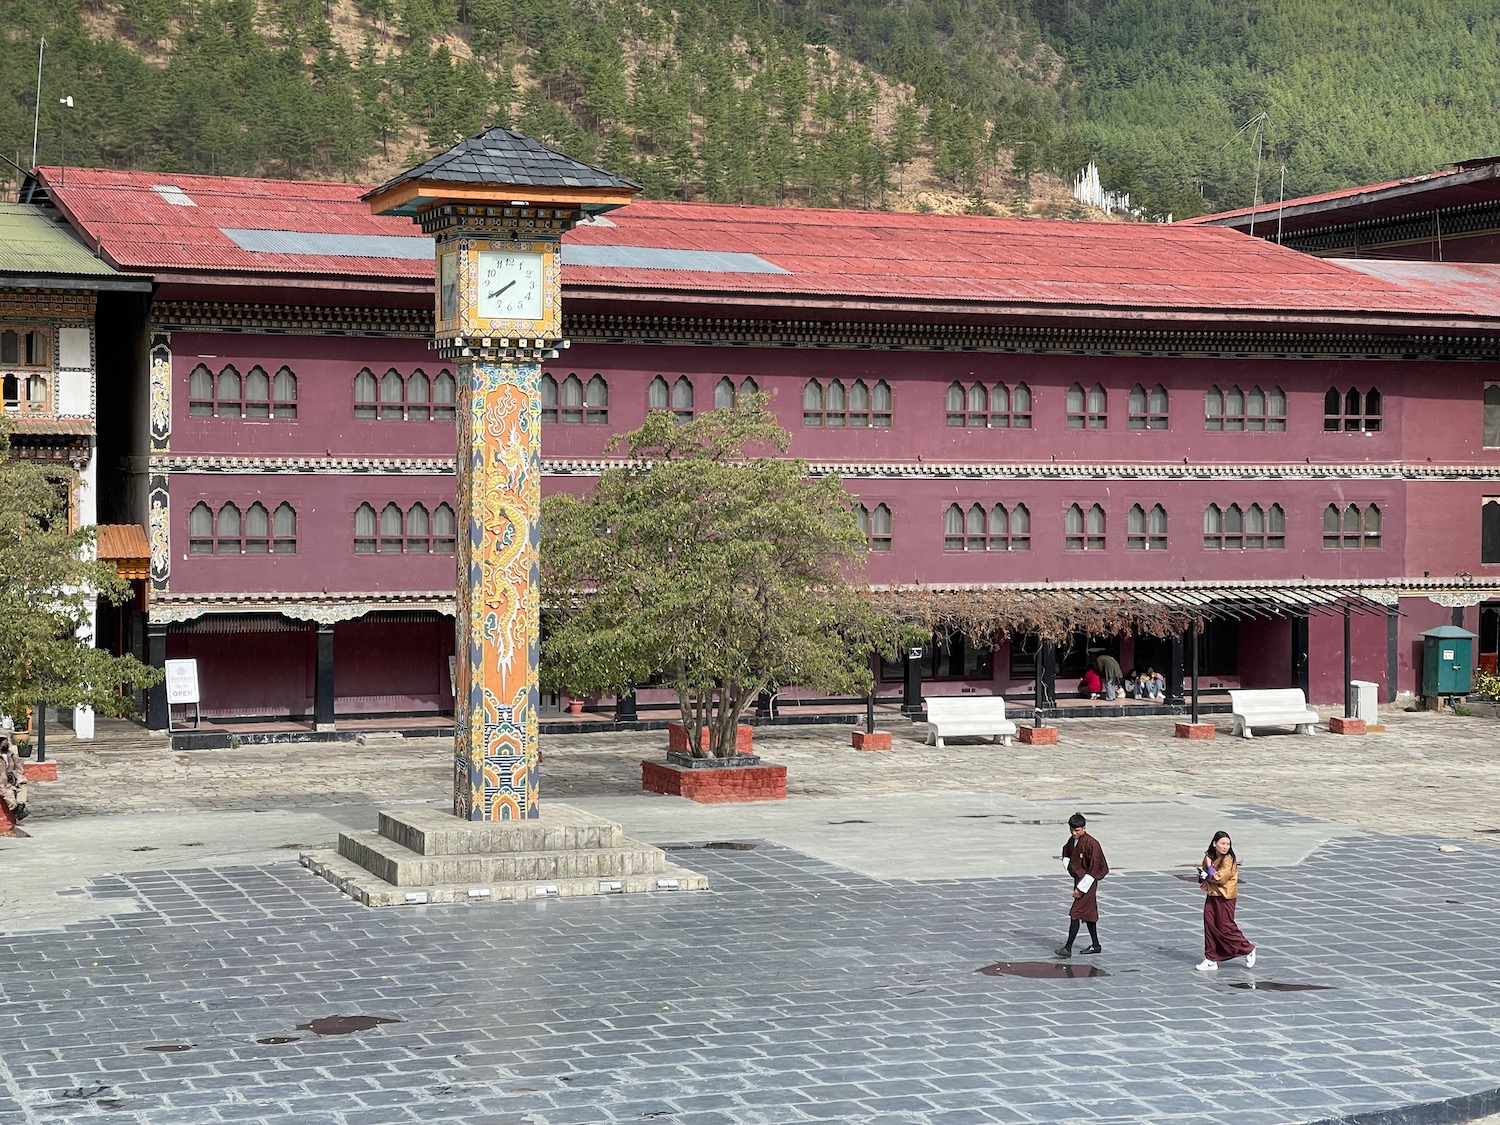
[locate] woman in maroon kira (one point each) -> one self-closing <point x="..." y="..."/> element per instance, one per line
<point x="1220" y="880"/>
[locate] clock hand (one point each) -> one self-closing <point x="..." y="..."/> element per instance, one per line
<point x="502" y="288"/>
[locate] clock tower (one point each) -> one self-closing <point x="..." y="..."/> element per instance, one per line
<point x="498" y="205"/>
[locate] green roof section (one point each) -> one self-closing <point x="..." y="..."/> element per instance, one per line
<point x="35" y="240"/>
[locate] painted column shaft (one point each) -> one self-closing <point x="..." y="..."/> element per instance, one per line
<point x="499" y="603"/>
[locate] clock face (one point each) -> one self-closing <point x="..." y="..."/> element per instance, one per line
<point x="511" y="285"/>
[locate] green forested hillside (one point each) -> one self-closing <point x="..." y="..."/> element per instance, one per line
<point x="828" y="102"/>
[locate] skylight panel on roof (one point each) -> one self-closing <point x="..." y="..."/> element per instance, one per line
<point x="323" y="245"/>
<point x="173" y="195"/>
<point x="652" y="258"/>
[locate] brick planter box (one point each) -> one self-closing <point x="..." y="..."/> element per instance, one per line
<point x="1038" y="736"/>
<point x="1200" y="731"/>
<point x="677" y="738"/>
<point x="41" y="771"/>
<point x="715" y="784"/>
<point x="871" y="740"/>
<point x="7" y="822"/>
<point x="1346" y="726"/>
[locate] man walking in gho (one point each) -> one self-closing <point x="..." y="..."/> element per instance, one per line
<point x="1086" y="866"/>
<point x="1219" y="877"/>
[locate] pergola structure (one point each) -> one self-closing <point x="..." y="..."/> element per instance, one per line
<point x="1055" y="611"/>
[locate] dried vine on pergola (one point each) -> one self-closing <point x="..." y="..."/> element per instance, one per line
<point x="981" y="615"/>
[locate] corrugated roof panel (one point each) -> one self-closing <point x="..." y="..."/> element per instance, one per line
<point x="319" y="243"/>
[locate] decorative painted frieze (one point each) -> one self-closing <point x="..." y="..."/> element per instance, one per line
<point x="161" y="392"/>
<point x="159" y="510"/>
<point x="324" y="609"/>
<point x="294" y="319"/>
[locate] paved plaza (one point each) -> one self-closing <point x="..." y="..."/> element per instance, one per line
<point x="876" y="949"/>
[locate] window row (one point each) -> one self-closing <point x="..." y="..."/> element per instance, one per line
<point x="229" y="531"/>
<point x="411" y="398"/>
<point x="25" y="347"/>
<point x="27" y="392"/>
<point x="415" y="531"/>
<point x="1002" y="527"/>
<point x="228" y="394"/>
<point x="998" y="406"/>
<point x="858" y="406"/>
<point x="1351" y="411"/>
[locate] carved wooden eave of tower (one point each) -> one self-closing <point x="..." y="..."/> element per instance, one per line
<point x="497" y="205"/>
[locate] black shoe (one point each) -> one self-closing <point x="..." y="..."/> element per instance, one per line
<point x="1065" y="951"/>
<point x="1095" y="948"/>
<point x="20" y="813"/>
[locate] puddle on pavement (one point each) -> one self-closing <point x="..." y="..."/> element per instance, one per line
<point x="1042" y="970"/>
<point x="343" y="1025"/>
<point x="1279" y="986"/>
<point x="167" y="1047"/>
<point x="272" y="1040"/>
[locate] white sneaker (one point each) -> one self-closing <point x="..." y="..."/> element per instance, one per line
<point x="1250" y="960"/>
<point x="1207" y="966"/>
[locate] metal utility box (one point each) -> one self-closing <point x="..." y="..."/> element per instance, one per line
<point x="1447" y="661"/>
<point x="1366" y="701"/>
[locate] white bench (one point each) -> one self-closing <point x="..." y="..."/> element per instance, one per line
<point x="955" y="715"/>
<point x="1271" y="707"/>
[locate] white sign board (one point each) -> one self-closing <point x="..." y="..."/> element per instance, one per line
<point x="182" y="681"/>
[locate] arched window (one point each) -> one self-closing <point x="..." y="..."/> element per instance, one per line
<point x="284" y="530"/>
<point x="365" y="394"/>
<point x="444" y="397"/>
<point x="682" y="399"/>
<point x="1148" y="409"/>
<point x="1238" y="411"/>
<point x="812" y="403"/>
<point x="1371" y="528"/>
<point x="418" y="396"/>
<point x="1255" y="528"/>
<point x="418" y="530"/>
<point x="881" y="405"/>
<point x="391" y="395"/>
<point x="1331" y="526"/>
<point x="1020" y="528"/>
<point x="1234" y="528"/>
<point x="1213" y="528"/>
<point x="836" y="405"/>
<point x="1352" y="411"/>
<point x="364" y="530"/>
<point x="749" y="388"/>
<point x="1088" y="409"/>
<point x="227" y="532"/>
<point x="570" y="400"/>
<point x="1146" y="531"/>
<point x="257" y="530"/>
<point x="284" y="394"/>
<point x="979" y="406"/>
<point x="724" y="394"/>
<point x="444" y="530"/>
<point x="658" y="396"/>
<point x="953" y="528"/>
<point x="1084" y="531"/>
<point x="974" y="528"/>
<point x="1352" y="528"/>
<point x="876" y="525"/>
<point x="1020" y="407"/>
<point x="859" y="404"/>
<point x="596" y="401"/>
<point x="548" y="390"/>
<point x="1275" y="528"/>
<point x="392" y="528"/>
<point x="201" y="530"/>
<point x="201" y="392"/>
<point x="228" y="400"/>
<point x="956" y="405"/>
<point x="257" y="393"/>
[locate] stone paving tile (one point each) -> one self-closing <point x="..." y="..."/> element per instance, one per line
<point x="792" y="992"/>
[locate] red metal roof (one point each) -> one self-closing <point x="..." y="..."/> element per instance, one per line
<point x="1474" y="181"/>
<point x="848" y="259"/>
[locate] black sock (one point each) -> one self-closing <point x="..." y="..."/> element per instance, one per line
<point x="1093" y="932"/>
<point x="1072" y="934"/>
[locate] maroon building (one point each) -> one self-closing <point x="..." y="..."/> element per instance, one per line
<point x="1141" y="411"/>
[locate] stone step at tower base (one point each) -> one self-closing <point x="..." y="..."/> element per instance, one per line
<point x="430" y="856"/>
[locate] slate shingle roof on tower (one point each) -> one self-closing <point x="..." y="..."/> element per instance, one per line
<point x="503" y="156"/>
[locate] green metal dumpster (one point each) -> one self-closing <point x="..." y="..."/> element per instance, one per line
<point x="1447" y="661"/>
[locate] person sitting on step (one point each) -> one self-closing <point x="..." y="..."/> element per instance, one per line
<point x="12" y="780"/>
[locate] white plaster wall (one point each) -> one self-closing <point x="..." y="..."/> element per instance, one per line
<point x="73" y="348"/>
<point x="75" y="393"/>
